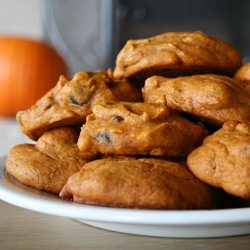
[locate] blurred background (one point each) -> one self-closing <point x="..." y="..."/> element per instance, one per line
<point x="87" y="35"/>
<point x="90" y="33"/>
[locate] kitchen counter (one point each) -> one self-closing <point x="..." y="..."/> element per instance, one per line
<point x="24" y="229"/>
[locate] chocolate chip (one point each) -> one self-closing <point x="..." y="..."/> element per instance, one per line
<point x="73" y="100"/>
<point x="103" y="137"/>
<point x="117" y="118"/>
<point x="48" y="106"/>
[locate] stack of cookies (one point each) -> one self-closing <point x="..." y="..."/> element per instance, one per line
<point x="168" y="128"/>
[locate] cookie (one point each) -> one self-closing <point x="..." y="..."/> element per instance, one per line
<point x="48" y="164"/>
<point x="123" y="89"/>
<point x="138" y="129"/>
<point x="243" y="76"/>
<point x="138" y="183"/>
<point x="223" y="160"/>
<point x="61" y="144"/>
<point x="175" y="54"/>
<point x="70" y="101"/>
<point x="212" y="98"/>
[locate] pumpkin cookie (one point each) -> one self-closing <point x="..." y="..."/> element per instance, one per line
<point x="243" y="76"/>
<point x="138" y="129"/>
<point x="123" y="89"/>
<point x="223" y="160"/>
<point x="175" y="54"/>
<point x="70" y="101"/>
<point x="213" y="98"/>
<point x="48" y="164"/>
<point x="138" y="183"/>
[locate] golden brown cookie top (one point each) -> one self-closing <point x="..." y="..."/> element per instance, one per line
<point x="243" y="73"/>
<point x="61" y="144"/>
<point x="175" y="54"/>
<point x="138" y="183"/>
<point x="132" y="112"/>
<point x="214" y="98"/>
<point x="243" y="76"/>
<point x="68" y="103"/>
<point x="80" y="89"/>
<point x="138" y="129"/>
<point x="223" y="160"/>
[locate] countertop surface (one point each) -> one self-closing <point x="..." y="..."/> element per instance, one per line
<point x="24" y="229"/>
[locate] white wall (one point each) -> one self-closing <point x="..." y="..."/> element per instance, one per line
<point x="21" y="17"/>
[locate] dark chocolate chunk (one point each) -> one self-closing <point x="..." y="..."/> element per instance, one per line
<point x="73" y="100"/>
<point x="103" y="137"/>
<point x="117" y="118"/>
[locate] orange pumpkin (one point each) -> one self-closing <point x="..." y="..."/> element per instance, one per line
<point x="28" y="69"/>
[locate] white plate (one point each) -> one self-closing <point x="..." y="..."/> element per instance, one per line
<point x="183" y="224"/>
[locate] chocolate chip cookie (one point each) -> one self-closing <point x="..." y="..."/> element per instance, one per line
<point x="138" y="129"/>
<point x="70" y="101"/>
